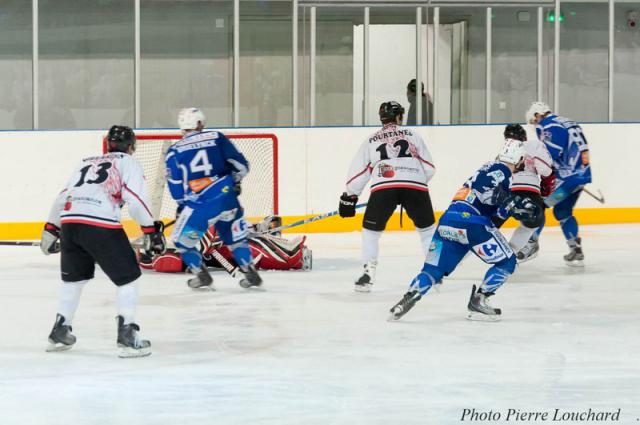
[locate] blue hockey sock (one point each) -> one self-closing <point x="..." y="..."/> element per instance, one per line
<point x="570" y="230"/>
<point x="191" y="257"/>
<point x="425" y="279"/>
<point x="494" y="279"/>
<point x="242" y="254"/>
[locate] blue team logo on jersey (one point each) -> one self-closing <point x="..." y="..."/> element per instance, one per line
<point x="239" y="229"/>
<point x="489" y="251"/>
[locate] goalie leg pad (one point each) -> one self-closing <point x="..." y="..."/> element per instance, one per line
<point x="277" y="253"/>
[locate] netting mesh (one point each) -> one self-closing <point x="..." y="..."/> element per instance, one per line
<point x="259" y="187"/>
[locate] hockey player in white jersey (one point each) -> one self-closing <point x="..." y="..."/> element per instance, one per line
<point x="399" y="165"/>
<point x="526" y="183"/>
<point x="85" y="217"/>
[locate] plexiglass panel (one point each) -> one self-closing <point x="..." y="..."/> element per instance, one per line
<point x="15" y="65"/>
<point x="186" y="60"/>
<point x="514" y="62"/>
<point x="265" y="63"/>
<point x="584" y="63"/>
<point x="86" y="63"/>
<point x="627" y="62"/>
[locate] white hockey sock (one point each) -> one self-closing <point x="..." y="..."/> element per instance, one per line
<point x="127" y="300"/>
<point x="370" y="240"/>
<point x="426" y="234"/>
<point x="520" y="237"/>
<point x="69" y="299"/>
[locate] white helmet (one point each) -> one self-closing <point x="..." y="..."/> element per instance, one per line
<point x="536" y="107"/>
<point x="188" y="118"/>
<point x="513" y="151"/>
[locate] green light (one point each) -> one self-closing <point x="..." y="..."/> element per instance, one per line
<point x="551" y="16"/>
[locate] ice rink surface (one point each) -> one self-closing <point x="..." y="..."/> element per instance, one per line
<point x="310" y="350"/>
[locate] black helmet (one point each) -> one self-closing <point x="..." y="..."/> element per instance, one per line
<point x="120" y="137"/>
<point x="390" y="110"/>
<point x="515" y="131"/>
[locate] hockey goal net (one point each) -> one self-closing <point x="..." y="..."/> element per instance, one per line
<point x="259" y="188"/>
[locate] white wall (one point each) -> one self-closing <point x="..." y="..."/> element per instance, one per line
<point x="313" y="163"/>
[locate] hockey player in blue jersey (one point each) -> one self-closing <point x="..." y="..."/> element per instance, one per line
<point x="466" y="226"/>
<point x="204" y="171"/>
<point x="568" y="148"/>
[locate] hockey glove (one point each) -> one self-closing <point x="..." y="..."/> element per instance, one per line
<point x="154" y="241"/>
<point x="237" y="188"/>
<point x="49" y="241"/>
<point x="520" y="208"/>
<point x="347" y="207"/>
<point x="547" y="184"/>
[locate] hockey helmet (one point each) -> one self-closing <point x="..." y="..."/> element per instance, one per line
<point x="513" y="152"/>
<point x="119" y="138"/>
<point x="190" y="118"/>
<point x="390" y="110"/>
<point x="536" y="107"/>
<point x="515" y="131"/>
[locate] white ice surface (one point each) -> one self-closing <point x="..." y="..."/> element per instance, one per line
<point x="310" y="350"/>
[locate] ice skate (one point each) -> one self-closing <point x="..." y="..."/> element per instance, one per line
<point x="365" y="282"/>
<point x="404" y="305"/>
<point x="528" y="252"/>
<point x="60" y="338"/>
<point x="251" y="279"/>
<point x="203" y="279"/>
<point x="575" y="257"/>
<point x="129" y="340"/>
<point x="480" y="309"/>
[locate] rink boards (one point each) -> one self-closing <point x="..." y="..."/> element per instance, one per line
<point x="312" y="167"/>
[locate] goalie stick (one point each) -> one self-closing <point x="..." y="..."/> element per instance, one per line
<point x="227" y="266"/>
<point x="307" y="220"/>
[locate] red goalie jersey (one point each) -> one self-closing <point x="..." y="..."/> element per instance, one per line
<point x="269" y="252"/>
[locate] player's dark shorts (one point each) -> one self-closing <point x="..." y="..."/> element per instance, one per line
<point x="536" y="221"/>
<point x="84" y="245"/>
<point x="382" y="203"/>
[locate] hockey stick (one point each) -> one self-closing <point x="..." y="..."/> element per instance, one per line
<point x="597" y="198"/>
<point x="20" y="243"/>
<point x="137" y="243"/>
<point x="307" y="220"/>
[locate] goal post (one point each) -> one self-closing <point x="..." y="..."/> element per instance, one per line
<point x="259" y="196"/>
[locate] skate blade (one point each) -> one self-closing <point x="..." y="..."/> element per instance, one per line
<point x="53" y="347"/>
<point x="529" y="258"/>
<point x="128" y="352"/>
<point x="393" y="317"/>
<point x="363" y="288"/>
<point x="253" y="288"/>
<point x="577" y="263"/>
<point x="206" y="288"/>
<point x="475" y="316"/>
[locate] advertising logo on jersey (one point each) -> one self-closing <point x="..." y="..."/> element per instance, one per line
<point x="453" y="234"/>
<point x="386" y="170"/>
<point x="489" y="251"/>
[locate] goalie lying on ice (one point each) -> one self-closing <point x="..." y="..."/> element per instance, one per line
<point x="270" y="252"/>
